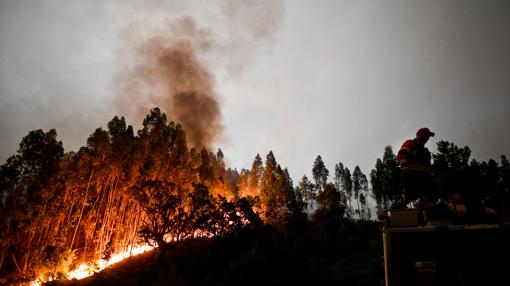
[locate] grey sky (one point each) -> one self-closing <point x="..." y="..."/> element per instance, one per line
<point x="337" y="78"/>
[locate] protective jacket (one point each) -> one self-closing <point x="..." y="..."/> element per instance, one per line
<point x="413" y="156"/>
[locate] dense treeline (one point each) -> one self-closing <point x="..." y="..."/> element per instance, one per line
<point x="124" y="188"/>
<point x="62" y="207"/>
<point x="121" y="189"/>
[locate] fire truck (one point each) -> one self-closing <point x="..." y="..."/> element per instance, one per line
<point x="444" y="252"/>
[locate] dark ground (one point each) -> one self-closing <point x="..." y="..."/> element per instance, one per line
<point x="310" y="255"/>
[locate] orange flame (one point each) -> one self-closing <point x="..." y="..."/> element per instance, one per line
<point x="85" y="270"/>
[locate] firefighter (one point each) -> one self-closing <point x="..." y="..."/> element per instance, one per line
<point x="414" y="161"/>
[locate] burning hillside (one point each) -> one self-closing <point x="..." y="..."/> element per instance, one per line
<point x="69" y="214"/>
<point x="118" y="193"/>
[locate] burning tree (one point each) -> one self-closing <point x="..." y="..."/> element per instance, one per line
<point x="279" y="199"/>
<point x="163" y="209"/>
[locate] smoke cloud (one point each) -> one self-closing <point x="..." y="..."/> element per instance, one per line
<point x="170" y="65"/>
<point x="166" y="72"/>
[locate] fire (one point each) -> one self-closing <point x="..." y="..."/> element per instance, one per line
<point x="85" y="270"/>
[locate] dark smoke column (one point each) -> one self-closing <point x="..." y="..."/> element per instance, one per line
<point x="167" y="72"/>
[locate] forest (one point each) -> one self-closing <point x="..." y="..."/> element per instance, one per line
<point x="125" y="189"/>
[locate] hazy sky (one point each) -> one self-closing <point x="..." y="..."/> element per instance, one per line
<point x="337" y="78"/>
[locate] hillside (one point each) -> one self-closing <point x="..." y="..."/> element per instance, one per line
<point x="314" y="254"/>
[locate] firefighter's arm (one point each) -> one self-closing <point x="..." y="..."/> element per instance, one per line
<point x="403" y="154"/>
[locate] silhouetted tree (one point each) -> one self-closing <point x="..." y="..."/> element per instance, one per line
<point x="39" y="156"/>
<point x="386" y="179"/>
<point x="359" y="187"/>
<point x="364" y="211"/>
<point x="505" y="180"/>
<point x="295" y="204"/>
<point x="450" y="168"/>
<point x="330" y="208"/>
<point x="231" y="216"/>
<point x="347" y="187"/>
<point x="26" y="181"/>
<point x="320" y="173"/>
<point x="340" y="182"/>
<point x="307" y="191"/>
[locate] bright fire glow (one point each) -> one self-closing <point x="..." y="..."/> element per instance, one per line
<point x="85" y="270"/>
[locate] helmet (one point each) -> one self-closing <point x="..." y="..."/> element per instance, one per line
<point x="424" y="132"/>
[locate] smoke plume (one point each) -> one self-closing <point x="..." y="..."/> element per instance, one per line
<point x="169" y="65"/>
<point x="166" y="72"/>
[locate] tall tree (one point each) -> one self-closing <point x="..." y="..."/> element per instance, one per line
<point x="330" y="208"/>
<point x="163" y="207"/>
<point x="307" y="191"/>
<point x="277" y="194"/>
<point x="243" y="183"/>
<point x="339" y="181"/>
<point x="268" y="185"/>
<point x="256" y="171"/>
<point x="28" y="179"/>
<point x="450" y="167"/>
<point x="320" y="173"/>
<point x="386" y="179"/>
<point x="363" y="197"/>
<point x="26" y="176"/>
<point x="357" y="181"/>
<point x="347" y="186"/>
<point x="40" y="154"/>
<point x="294" y="202"/>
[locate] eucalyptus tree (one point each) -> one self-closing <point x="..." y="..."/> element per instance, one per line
<point x="320" y="173"/>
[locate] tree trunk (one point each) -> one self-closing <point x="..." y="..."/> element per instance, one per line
<point x="82" y="209"/>
<point x="359" y="209"/>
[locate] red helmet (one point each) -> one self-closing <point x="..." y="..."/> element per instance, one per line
<point x="424" y="132"/>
